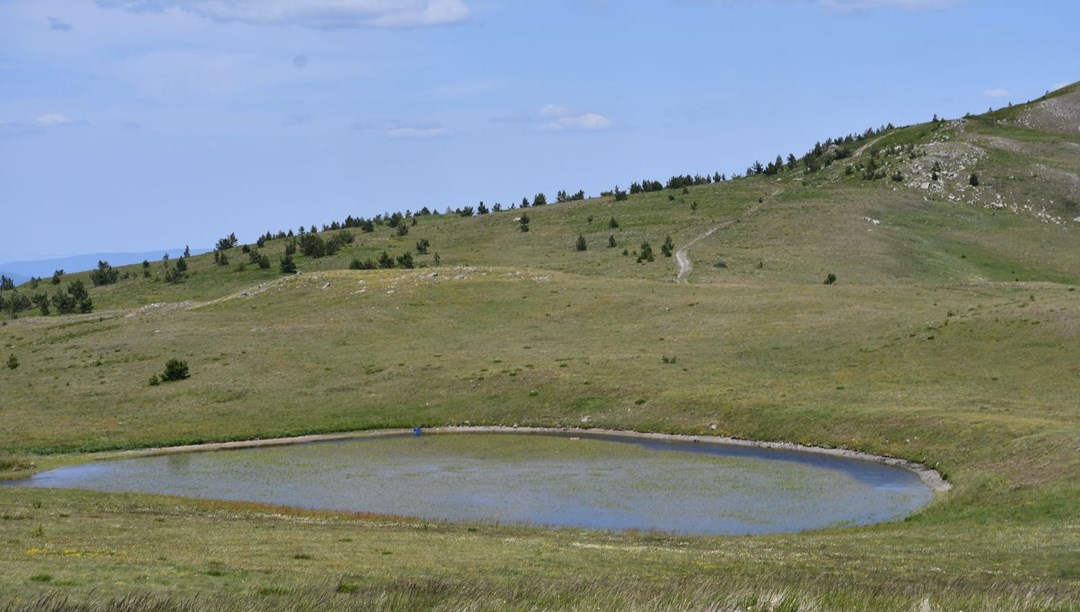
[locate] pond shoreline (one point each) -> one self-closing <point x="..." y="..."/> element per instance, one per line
<point x="929" y="476"/>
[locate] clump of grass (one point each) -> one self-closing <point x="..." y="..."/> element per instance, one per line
<point x="15" y="463"/>
<point x="347" y="587"/>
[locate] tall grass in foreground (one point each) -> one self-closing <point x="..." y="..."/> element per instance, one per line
<point x="536" y="594"/>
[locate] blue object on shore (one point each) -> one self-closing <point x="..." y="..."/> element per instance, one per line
<point x="416" y="432"/>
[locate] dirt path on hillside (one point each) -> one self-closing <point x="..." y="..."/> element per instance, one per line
<point x="682" y="256"/>
<point x="866" y="146"/>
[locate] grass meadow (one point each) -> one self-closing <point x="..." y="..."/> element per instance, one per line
<point x="950" y="338"/>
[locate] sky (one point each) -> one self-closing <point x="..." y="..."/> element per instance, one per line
<point x="136" y="125"/>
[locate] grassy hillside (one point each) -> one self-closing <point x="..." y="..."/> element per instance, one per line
<point x="950" y="338"/>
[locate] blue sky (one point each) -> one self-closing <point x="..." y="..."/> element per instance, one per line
<point x="134" y="125"/>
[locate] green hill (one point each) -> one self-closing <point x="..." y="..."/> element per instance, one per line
<point x="949" y="337"/>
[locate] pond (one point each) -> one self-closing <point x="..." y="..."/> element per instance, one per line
<point x="587" y="481"/>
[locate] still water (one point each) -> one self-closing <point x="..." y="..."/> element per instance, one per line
<point x="592" y="482"/>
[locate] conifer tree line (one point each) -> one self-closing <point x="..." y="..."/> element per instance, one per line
<point x="306" y="241"/>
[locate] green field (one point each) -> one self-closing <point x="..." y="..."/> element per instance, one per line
<point x="951" y="337"/>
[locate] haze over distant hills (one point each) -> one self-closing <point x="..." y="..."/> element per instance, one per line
<point x="22" y="271"/>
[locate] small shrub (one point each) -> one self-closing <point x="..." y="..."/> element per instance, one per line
<point x="581" y="245"/>
<point x="175" y="369"/>
<point x="12" y="362"/>
<point x="973" y="180"/>
<point x="830" y="279"/>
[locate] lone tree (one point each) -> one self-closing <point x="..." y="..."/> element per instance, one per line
<point x="830" y="279"/>
<point x="646" y="253"/>
<point x="178" y="272"/>
<point x="227" y="242"/>
<point x="611" y="241"/>
<point x="667" y="247"/>
<point x="385" y="260"/>
<point x="288" y="266"/>
<point x="523" y="222"/>
<point x="581" y="245"/>
<point x="973" y="180"/>
<point x="12" y="362"/>
<point x="175" y="369"/>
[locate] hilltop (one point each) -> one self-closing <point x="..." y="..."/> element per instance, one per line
<point x="908" y="292"/>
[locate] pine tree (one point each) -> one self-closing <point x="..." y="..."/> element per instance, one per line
<point x="646" y="253"/>
<point x="668" y="247"/>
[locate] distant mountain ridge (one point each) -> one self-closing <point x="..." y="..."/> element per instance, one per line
<point x="22" y="271"/>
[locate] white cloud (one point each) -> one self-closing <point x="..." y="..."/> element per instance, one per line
<point x="863" y="5"/>
<point x="403" y="129"/>
<point x="417" y="132"/>
<point x="559" y="118"/>
<point x="52" y="120"/>
<point x="310" y="13"/>
<point x="39" y="125"/>
<point x="554" y="110"/>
